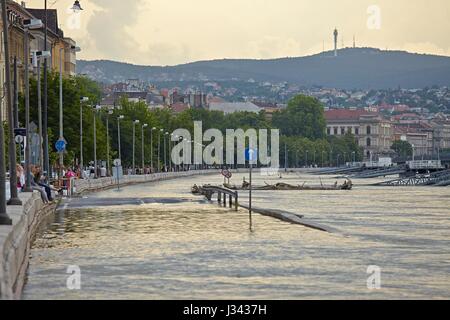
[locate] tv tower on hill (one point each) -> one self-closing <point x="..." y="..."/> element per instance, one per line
<point x="335" y="41"/>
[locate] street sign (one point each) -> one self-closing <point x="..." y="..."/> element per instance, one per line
<point x="20" y="132"/>
<point x="227" y="174"/>
<point x="19" y="139"/>
<point x="251" y="154"/>
<point x="61" y="145"/>
<point x="117" y="163"/>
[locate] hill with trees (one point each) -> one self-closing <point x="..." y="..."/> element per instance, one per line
<point x="353" y="68"/>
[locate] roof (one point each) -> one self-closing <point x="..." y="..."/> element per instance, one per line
<point x="346" y="114"/>
<point x="216" y="99"/>
<point x="180" y="107"/>
<point x="231" y="107"/>
<point x="408" y="131"/>
<point x="406" y="116"/>
<point x="52" y="18"/>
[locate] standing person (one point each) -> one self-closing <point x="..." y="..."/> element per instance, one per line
<point x="20" y="177"/>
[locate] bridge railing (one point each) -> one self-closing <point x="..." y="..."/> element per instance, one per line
<point x="425" y="164"/>
<point x="209" y="191"/>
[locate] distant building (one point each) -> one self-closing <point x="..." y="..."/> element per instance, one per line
<point x="61" y="47"/>
<point x="373" y="132"/>
<point x="179" y="107"/>
<point x="232" y="107"/>
<point x="441" y="132"/>
<point x="420" y="137"/>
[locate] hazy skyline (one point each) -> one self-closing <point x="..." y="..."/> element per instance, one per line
<point x="168" y="32"/>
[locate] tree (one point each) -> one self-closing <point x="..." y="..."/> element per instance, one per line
<point x="402" y="148"/>
<point x="73" y="89"/>
<point x="304" y="116"/>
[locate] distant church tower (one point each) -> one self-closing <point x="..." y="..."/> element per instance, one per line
<point x="335" y="41"/>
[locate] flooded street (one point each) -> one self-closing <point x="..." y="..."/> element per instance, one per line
<point x="161" y="242"/>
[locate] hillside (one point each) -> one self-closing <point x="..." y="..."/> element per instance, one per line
<point x="360" y="68"/>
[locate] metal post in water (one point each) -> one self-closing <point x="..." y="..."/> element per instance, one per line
<point x="250" y="193"/>
<point x="118" y="178"/>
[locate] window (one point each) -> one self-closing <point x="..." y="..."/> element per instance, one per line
<point x="328" y="131"/>
<point x="335" y="131"/>
<point x="369" y="142"/>
<point x="369" y="130"/>
<point x="342" y="131"/>
<point x="357" y="131"/>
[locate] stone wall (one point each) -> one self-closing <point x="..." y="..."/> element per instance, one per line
<point x="15" y="243"/>
<point x="82" y="186"/>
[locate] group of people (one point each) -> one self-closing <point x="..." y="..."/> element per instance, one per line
<point x="38" y="182"/>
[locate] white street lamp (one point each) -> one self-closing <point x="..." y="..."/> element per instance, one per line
<point x="145" y="125"/>
<point x="135" y="122"/>
<point x="121" y="117"/>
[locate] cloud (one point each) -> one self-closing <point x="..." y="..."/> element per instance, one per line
<point x="110" y="28"/>
<point x="161" y="32"/>
<point x="270" y="47"/>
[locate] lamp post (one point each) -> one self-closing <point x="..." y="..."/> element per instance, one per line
<point x="108" y="163"/>
<point x="159" y="148"/>
<point x="165" y="150"/>
<point x="82" y="100"/>
<point x="11" y="142"/>
<point x="323" y="159"/>
<point x="76" y="8"/>
<point x="151" y="148"/>
<point x="4" y="218"/>
<point x="96" y="108"/>
<point x="37" y="23"/>
<point x="135" y="122"/>
<point x="170" y="151"/>
<point x="145" y="125"/>
<point x="39" y="98"/>
<point x="306" y="160"/>
<point x="118" y="136"/>
<point x="61" y="110"/>
<point x="285" y="157"/>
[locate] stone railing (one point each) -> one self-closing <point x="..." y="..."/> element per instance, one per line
<point x="16" y="240"/>
<point x="86" y="185"/>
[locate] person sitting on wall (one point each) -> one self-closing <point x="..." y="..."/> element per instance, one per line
<point x="35" y="186"/>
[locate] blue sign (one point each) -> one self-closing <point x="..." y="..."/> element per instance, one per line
<point x="61" y="145"/>
<point x="251" y="154"/>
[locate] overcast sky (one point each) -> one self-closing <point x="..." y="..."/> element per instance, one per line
<point x="168" y="32"/>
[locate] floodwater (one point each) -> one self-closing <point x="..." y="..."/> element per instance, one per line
<point x="191" y="249"/>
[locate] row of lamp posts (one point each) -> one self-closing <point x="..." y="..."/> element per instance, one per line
<point x="338" y="157"/>
<point x="28" y="25"/>
<point x="161" y="132"/>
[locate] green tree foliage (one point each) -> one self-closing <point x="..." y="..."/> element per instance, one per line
<point x="302" y="126"/>
<point x="304" y="116"/>
<point x="402" y="148"/>
<point x="73" y="89"/>
<point x="305" y="152"/>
